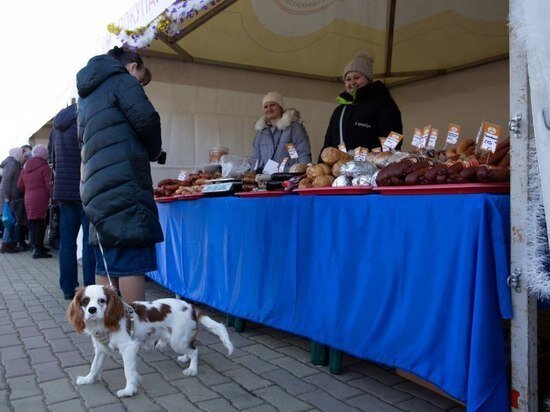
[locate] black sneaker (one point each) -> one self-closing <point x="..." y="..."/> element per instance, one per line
<point x="24" y="246"/>
<point x="41" y="255"/>
<point x="68" y="296"/>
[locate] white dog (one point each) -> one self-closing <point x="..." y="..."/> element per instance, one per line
<point x="98" y="311"/>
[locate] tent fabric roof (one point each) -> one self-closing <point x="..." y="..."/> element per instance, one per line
<point x="408" y="40"/>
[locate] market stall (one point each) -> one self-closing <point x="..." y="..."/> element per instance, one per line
<point x="377" y="276"/>
<point x="405" y="41"/>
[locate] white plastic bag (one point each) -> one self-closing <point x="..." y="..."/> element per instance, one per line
<point x="234" y="166"/>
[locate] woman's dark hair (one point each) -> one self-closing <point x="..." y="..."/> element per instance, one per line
<point x="126" y="56"/>
<point x="146" y="77"/>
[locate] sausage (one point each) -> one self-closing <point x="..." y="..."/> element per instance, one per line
<point x="496" y="157"/>
<point x="165" y="182"/>
<point x="420" y="165"/>
<point x="432" y="173"/>
<point x="505" y="162"/>
<point x="416" y="176"/>
<point x="248" y="187"/>
<point x="469" y="174"/>
<point x="394" y="172"/>
<point x="493" y="174"/>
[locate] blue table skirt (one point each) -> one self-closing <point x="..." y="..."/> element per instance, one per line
<point x="413" y="282"/>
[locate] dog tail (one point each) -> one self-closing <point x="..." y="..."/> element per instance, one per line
<point x="218" y="329"/>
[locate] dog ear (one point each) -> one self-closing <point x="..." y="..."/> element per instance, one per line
<point x="75" y="316"/>
<point x="115" y="310"/>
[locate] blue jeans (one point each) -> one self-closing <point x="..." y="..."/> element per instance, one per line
<point x="71" y="217"/>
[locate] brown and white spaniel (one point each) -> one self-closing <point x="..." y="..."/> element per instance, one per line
<point x="98" y="311"/>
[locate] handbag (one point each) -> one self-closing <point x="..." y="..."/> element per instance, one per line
<point x="8" y="219"/>
<point x="53" y="233"/>
<point x="18" y="209"/>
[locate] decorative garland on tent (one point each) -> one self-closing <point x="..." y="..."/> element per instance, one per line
<point x="169" y="22"/>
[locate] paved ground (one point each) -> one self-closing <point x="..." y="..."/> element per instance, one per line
<point x="270" y="370"/>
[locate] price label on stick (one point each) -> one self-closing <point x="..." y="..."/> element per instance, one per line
<point x="417" y="137"/>
<point x="360" y="154"/>
<point x="453" y="133"/>
<point x="433" y="139"/>
<point x="425" y="136"/>
<point x="490" y="135"/>
<point x="357" y="154"/>
<point x="291" y="149"/>
<point x="479" y="133"/>
<point x="392" y="140"/>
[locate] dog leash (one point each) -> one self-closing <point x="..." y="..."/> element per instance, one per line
<point x="129" y="310"/>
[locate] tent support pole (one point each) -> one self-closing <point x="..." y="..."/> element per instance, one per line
<point x="523" y="329"/>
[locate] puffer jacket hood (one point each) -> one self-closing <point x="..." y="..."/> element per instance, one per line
<point x="33" y="163"/>
<point x="98" y="69"/>
<point x="65" y="118"/>
<point x="289" y="116"/>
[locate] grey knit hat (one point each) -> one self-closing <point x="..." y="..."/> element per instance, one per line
<point x="362" y="63"/>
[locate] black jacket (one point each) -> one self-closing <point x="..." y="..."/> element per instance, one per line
<point x="64" y="155"/>
<point x="372" y="114"/>
<point x="120" y="132"/>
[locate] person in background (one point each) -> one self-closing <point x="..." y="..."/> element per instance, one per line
<point x="35" y="182"/>
<point x="27" y="152"/>
<point x="18" y="206"/>
<point x="9" y="192"/>
<point x="120" y="134"/>
<point x="275" y="130"/>
<point x="366" y="111"/>
<point x="64" y="157"/>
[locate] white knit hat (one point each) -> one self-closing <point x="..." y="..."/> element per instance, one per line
<point x="362" y="63"/>
<point x="17" y="154"/>
<point x="274" y="97"/>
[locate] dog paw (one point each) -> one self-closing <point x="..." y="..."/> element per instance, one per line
<point x="126" y="392"/>
<point x="190" y="372"/>
<point x="84" y="380"/>
<point x="183" y="358"/>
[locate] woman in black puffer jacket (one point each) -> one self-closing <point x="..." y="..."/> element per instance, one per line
<point x="119" y="130"/>
<point x="366" y="111"/>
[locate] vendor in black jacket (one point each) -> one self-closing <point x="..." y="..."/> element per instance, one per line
<point x="366" y="112"/>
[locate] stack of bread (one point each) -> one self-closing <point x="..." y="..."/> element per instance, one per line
<point x="323" y="174"/>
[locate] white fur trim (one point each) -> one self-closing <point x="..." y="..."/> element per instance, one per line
<point x="289" y="116"/>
